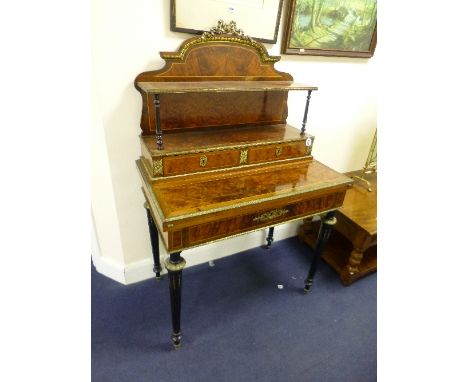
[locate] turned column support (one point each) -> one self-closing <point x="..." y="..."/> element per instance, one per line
<point x="306" y="112"/>
<point x="154" y="237"/>
<point x="349" y="272"/>
<point x="324" y="233"/>
<point x="174" y="265"/>
<point x="157" y="106"/>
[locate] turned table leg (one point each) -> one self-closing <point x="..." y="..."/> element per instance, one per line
<point x="348" y="273"/>
<point x="174" y="266"/>
<point x="269" y="238"/>
<point x="154" y="237"/>
<point x="325" y="229"/>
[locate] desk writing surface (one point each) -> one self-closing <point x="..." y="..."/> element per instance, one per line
<point x="190" y="195"/>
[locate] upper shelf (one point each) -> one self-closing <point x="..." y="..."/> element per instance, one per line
<point x="220" y="86"/>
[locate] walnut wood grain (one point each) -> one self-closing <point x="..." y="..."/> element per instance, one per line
<point x="199" y="209"/>
<point x="196" y="141"/>
<point x="223" y="148"/>
<point x="184" y="196"/>
<point x="225" y="59"/>
<point x="260" y="154"/>
<point x="361" y="205"/>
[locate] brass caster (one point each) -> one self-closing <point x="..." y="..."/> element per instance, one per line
<point x="307" y="287"/>
<point x="157" y="271"/>
<point x="176" y="340"/>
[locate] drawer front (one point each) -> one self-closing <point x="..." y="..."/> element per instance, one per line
<point x="215" y="230"/>
<point x="200" y="162"/>
<point x="191" y="163"/>
<point x="270" y="153"/>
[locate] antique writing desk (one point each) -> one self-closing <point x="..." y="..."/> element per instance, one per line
<point x="218" y="158"/>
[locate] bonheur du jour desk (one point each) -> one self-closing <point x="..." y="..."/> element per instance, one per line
<point x="218" y="158"/>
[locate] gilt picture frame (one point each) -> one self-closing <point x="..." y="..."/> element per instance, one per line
<point x="199" y="16"/>
<point x="340" y="28"/>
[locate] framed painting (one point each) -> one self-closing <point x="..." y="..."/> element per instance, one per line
<point x="345" y="28"/>
<point x="200" y="16"/>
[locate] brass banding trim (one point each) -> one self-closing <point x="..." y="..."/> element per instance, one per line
<point x="324" y="186"/>
<point x="246" y="166"/>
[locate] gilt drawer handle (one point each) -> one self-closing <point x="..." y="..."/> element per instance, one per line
<point x="271" y="215"/>
<point x="278" y="151"/>
<point x="203" y="161"/>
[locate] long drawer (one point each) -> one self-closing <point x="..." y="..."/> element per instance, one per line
<point x="204" y="233"/>
<point x="196" y="159"/>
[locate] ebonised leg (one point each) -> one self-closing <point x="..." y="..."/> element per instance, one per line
<point x="306" y="111"/>
<point x="174" y="266"/>
<point x="325" y="229"/>
<point x="157" y="105"/>
<point x="154" y="237"/>
<point x="269" y="238"/>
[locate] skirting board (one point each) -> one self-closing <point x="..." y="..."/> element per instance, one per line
<point x="143" y="269"/>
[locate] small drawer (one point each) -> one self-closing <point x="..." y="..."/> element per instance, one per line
<point x="184" y="164"/>
<point x="270" y="153"/>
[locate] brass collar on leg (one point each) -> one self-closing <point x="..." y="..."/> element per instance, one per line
<point x="171" y="267"/>
<point x="330" y="221"/>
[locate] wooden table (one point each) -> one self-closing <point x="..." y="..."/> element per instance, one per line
<point x="352" y="247"/>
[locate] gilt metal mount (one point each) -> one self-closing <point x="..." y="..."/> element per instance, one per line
<point x="226" y="28"/>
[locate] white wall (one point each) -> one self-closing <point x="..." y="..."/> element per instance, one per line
<point x="127" y="38"/>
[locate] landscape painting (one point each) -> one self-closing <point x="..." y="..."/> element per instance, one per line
<point x="331" y="28"/>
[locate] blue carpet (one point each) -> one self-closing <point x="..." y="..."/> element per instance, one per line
<point x="237" y="325"/>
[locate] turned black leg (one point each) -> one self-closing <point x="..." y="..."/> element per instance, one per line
<point x="269" y="238"/>
<point x="325" y="229"/>
<point x="154" y="237"/>
<point x="174" y="266"/>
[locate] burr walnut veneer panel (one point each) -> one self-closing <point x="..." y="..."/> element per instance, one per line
<point x="196" y="209"/>
<point x="224" y="60"/>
